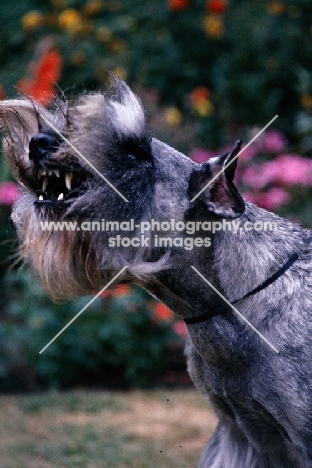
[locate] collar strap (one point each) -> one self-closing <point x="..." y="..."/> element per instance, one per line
<point x="223" y="308"/>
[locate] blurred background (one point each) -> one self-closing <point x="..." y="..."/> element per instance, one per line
<point x="207" y="72"/>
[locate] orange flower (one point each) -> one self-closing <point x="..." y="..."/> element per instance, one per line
<point x="94" y="7"/>
<point x="163" y="312"/>
<point x="276" y="8"/>
<point x="200" y="101"/>
<point x="41" y="84"/>
<point x="213" y="26"/>
<point x="173" y="116"/>
<point x="176" y="5"/>
<point x="71" y="20"/>
<point x="204" y="108"/>
<point x="32" y="20"/>
<point x="200" y="94"/>
<point x="217" y="6"/>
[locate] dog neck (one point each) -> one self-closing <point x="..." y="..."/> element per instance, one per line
<point x="236" y="264"/>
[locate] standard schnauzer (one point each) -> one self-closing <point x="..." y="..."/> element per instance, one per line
<point x="262" y="398"/>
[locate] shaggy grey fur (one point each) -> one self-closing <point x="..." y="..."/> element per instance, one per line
<point x="263" y="399"/>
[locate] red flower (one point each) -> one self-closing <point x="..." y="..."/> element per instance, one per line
<point x="120" y="290"/>
<point x="107" y="293"/>
<point x="43" y="74"/>
<point x="217" y="6"/>
<point x="176" y="5"/>
<point x="200" y="94"/>
<point x="163" y="312"/>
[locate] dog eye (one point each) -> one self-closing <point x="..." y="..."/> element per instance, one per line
<point x="136" y="150"/>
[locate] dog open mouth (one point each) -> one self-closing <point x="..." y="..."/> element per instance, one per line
<point x="59" y="188"/>
<point x="56" y="183"/>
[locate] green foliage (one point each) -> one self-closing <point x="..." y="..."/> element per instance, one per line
<point x="205" y="79"/>
<point x="254" y="57"/>
<point x="116" y="341"/>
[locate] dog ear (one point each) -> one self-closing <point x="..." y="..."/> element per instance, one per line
<point x="221" y="196"/>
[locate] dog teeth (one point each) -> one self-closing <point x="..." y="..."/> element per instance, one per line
<point x="41" y="173"/>
<point x="45" y="184"/>
<point x="68" y="180"/>
<point x="61" y="197"/>
<point x="41" y="198"/>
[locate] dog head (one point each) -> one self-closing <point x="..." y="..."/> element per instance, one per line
<point x="92" y="160"/>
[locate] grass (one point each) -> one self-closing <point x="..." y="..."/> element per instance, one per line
<point x="166" y="429"/>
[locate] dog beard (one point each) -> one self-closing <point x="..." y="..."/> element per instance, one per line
<point x="109" y="132"/>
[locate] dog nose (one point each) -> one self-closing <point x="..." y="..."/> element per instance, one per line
<point x="40" y="145"/>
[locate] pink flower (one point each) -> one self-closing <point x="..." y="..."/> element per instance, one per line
<point x="273" y="142"/>
<point x="287" y="169"/>
<point x="8" y="193"/>
<point x="292" y="169"/>
<point x="273" y="199"/>
<point x="179" y="328"/>
<point x="249" y="153"/>
<point x="200" y="155"/>
<point x="257" y="177"/>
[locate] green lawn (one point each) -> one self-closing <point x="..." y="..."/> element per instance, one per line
<point x="153" y="429"/>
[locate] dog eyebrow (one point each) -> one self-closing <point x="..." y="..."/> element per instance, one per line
<point x="84" y="158"/>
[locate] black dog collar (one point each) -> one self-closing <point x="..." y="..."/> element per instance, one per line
<point x="225" y="308"/>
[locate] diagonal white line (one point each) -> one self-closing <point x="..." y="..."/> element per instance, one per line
<point x="84" y="158"/>
<point x="227" y="165"/>
<point x="237" y="311"/>
<point x="83" y="309"/>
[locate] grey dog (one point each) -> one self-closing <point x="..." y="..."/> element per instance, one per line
<point x="262" y="398"/>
